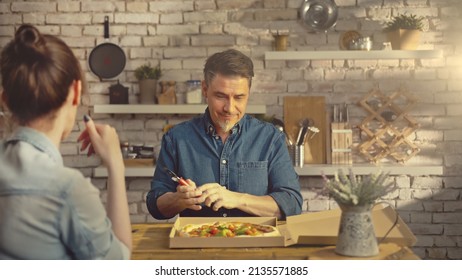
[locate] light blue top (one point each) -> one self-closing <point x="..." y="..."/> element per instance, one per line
<point x="49" y="211"/>
<point x="254" y="160"/>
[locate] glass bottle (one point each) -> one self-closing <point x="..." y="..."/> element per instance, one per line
<point x="193" y="92"/>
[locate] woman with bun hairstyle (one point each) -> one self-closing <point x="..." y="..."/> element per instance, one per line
<point x="47" y="210"/>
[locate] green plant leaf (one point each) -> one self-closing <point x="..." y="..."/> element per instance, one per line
<point x="358" y="190"/>
<point x="146" y="71"/>
<point x="405" y="21"/>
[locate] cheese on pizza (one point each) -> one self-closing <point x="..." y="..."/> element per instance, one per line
<point x="227" y="229"/>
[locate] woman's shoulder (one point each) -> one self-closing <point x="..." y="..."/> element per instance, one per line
<point x="74" y="178"/>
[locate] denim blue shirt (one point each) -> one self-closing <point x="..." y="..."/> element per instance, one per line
<point x="254" y="160"/>
<point x="48" y="211"/>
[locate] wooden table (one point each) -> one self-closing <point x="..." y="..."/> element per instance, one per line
<point x="150" y="242"/>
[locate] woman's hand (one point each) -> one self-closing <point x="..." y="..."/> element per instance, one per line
<point x="101" y="139"/>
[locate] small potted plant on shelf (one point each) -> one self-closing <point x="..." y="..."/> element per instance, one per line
<point x="356" y="195"/>
<point x="403" y="31"/>
<point x="148" y="78"/>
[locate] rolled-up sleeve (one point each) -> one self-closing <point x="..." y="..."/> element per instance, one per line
<point x="283" y="181"/>
<point x="161" y="183"/>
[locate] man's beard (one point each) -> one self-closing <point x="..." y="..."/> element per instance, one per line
<point x="225" y="125"/>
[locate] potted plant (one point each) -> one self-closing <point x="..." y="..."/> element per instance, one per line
<point x="351" y="190"/>
<point x="403" y="31"/>
<point x="356" y="195"/>
<point x="148" y="77"/>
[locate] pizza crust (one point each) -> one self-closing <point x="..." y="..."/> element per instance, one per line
<point x="258" y="230"/>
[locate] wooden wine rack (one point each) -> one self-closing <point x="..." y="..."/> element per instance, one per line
<point x="388" y="126"/>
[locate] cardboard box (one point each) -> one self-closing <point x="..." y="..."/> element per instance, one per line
<point x="318" y="228"/>
<point x="176" y="241"/>
<point x="321" y="228"/>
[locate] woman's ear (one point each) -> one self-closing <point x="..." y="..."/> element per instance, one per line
<point x="3" y="101"/>
<point x="76" y="91"/>
<point x="2" y="98"/>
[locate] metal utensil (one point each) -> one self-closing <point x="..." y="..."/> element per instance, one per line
<point x="335" y="114"/>
<point x="314" y="130"/>
<point x="107" y="60"/>
<point x="175" y="177"/>
<point x="299" y="136"/>
<point x="363" y="44"/>
<point x="319" y="15"/>
<point x="347" y="113"/>
<point x="304" y="124"/>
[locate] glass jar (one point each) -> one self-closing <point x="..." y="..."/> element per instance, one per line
<point x="137" y="148"/>
<point x="193" y="92"/>
<point x="148" y="148"/>
<point x="147" y="151"/>
<point x="124" y="146"/>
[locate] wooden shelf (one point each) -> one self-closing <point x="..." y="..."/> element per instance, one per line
<point x="164" y="109"/>
<point x="380" y="54"/>
<point x="312" y="170"/>
<point x="129" y="171"/>
<point x="365" y="169"/>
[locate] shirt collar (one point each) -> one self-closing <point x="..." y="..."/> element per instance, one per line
<point x="39" y="140"/>
<point x="210" y="128"/>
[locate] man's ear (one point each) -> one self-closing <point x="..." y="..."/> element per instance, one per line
<point x="204" y="88"/>
<point x="76" y="91"/>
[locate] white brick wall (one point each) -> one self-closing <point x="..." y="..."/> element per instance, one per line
<point x="180" y="34"/>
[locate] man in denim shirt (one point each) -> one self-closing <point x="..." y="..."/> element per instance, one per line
<point x="235" y="165"/>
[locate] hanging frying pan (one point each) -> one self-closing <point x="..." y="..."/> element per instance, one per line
<point x="319" y="15"/>
<point x="107" y="60"/>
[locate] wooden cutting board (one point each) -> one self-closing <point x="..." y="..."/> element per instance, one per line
<point x="297" y="108"/>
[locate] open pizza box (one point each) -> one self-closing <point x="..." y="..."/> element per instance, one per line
<point x="317" y="228"/>
<point x="222" y="242"/>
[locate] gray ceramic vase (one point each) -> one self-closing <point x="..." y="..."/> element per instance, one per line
<point x="356" y="236"/>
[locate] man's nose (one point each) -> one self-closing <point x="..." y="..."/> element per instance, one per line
<point x="230" y="106"/>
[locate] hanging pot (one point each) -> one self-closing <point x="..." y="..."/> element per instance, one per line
<point x="107" y="60"/>
<point x="319" y="15"/>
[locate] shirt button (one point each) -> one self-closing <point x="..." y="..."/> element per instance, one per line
<point x="217" y="137"/>
<point x="225" y="215"/>
<point x="223" y="161"/>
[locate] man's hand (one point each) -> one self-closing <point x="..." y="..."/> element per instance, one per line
<point x="217" y="196"/>
<point x="189" y="196"/>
